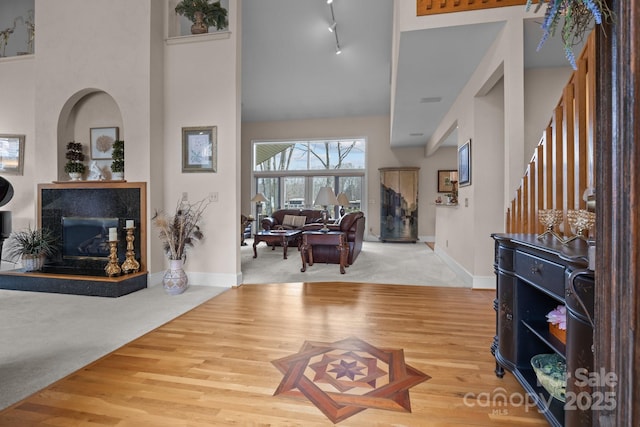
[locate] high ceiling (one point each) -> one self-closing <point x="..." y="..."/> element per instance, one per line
<point x="290" y="70"/>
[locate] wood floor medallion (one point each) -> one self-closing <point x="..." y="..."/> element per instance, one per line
<point x="345" y="377"/>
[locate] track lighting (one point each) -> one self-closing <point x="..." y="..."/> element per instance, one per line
<point x="334" y="27"/>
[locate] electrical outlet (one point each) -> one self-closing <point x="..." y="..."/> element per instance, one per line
<point x="214" y="196"/>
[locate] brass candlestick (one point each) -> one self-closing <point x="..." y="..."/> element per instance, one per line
<point x="130" y="265"/>
<point x="112" y="268"/>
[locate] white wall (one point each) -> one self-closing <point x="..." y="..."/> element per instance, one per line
<point x="542" y="91"/>
<point x="379" y="154"/>
<point x="202" y="88"/>
<point x="150" y="89"/>
<point x="17" y="112"/>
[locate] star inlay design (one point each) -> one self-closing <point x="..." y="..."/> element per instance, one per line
<point x="348" y="376"/>
<point x="348" y="369"/>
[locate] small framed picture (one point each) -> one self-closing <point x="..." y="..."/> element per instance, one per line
<point x="199" y="147"/>
<point x="446" y="179"/>
<point x="11" y="154"/>
<point x="464" y="164"/>
<point x="102" y="142"/>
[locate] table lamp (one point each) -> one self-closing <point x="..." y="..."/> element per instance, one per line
<point x="343" y="201"/>
<point x="325" y="197"/>
<point x="258" y="199"/>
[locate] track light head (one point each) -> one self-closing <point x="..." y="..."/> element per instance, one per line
<point x="332" y="27"/>
<point x="338" y="50"/>
<point x="329" y="1"/>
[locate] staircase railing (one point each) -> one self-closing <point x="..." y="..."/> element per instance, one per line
<point x="562" y="166"/>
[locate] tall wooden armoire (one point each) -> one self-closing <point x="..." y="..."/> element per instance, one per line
<point x="399" y="204"/>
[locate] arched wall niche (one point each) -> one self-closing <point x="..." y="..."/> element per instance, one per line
<point x="86" y="109"/>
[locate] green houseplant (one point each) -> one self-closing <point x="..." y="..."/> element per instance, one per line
<point x="203" y="14"/>
<point x="117" y="163"/>
<point x="32" y="246"/>
<point x="74" y="167"/>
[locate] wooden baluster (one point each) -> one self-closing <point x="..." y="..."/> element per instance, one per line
<point x="568" y="147"/>
<point x="525" y="202"/>
<point x="532" y="213"/>
<point x="539" y="185"/>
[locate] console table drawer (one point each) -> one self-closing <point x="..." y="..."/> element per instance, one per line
<point x="505" y="258"/>
<point x="540" y="272"/>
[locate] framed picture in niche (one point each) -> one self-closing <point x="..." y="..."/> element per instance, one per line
<point x="199" y="149"/>
<point x="464" y="164"/>
<point x="102" y="142"/>
<point x="445" y="180"/>
<point x="11" y="154"/>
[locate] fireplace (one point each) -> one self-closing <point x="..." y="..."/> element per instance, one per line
<point x="81" y="213"/>
<point x="86" y="237"/>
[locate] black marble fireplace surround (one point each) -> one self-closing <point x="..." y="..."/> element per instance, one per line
<point x="80" y="213"/>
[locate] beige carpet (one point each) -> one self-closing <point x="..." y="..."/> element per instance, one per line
<point x="387" y="263"/>
<point x="44" y="337"/>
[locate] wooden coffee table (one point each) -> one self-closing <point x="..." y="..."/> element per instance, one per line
<point x="317" y="238"/>
<point x="284" y="237"/>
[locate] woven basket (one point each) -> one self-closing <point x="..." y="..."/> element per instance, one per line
<point x="551" y="371"/>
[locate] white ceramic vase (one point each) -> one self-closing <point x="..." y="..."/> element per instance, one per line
<point x="75" y="176"/>
<point x="175" y="280"/>
<point x="32" y="262"/>
<point x="117" y="176"/>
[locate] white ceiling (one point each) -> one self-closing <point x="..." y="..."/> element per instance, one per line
<point x="290" y="70"/>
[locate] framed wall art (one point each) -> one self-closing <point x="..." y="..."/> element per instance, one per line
<point x="102" y="142"/>
<point x="464" y="164"/>
<point x="445" y="180"/>
<point x="11" y="154"/>
<point x="199" y="149"/>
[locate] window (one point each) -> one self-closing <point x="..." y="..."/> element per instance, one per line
<point x="290" y="173"/>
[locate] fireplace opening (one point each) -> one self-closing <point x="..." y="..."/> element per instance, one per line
<point x="86" y="238"/>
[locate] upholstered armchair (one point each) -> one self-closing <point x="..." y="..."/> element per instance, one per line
<point x="353" y="225"/>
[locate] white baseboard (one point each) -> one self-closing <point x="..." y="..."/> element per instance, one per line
<point x="471" y="281"/>
<point x="484" y="282"/>
<point x="201" y="279"/>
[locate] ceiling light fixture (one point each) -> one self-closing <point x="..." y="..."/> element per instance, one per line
<point x="334" y="27"/>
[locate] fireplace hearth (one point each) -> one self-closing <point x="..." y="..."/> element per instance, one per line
<point x="82" y="213"/>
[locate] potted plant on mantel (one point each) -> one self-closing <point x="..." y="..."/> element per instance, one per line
<point x="31" y="246"/>
<point x="74" y="167"/>
<point x="117" y="163"/>
<point x="203" y="15"/>
<point x="178" y="233"/>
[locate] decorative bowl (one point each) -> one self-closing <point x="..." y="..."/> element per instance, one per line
<point x="551" y="371"/>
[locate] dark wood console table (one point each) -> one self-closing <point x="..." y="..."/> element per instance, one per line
<point x="315" y="238"/>
<point x="532" y="278"/>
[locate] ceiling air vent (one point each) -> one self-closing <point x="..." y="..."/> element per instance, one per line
<point x="431" y="99"/>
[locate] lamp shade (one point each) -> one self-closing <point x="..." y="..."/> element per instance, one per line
<point x="326" y="196"/>
<point x="343" y="200"/>
<point x="259" y="198"/>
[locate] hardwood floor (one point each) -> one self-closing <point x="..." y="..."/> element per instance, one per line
<point x="213" y="366"/>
